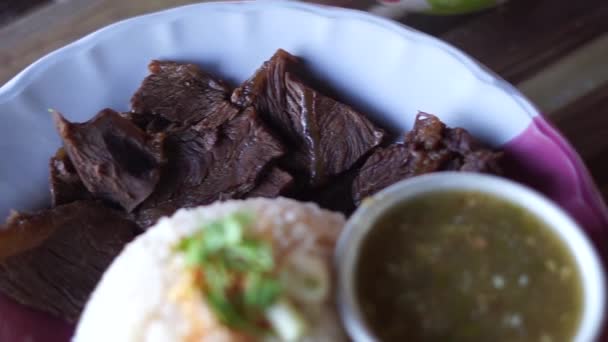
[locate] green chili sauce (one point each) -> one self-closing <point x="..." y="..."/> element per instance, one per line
<point x="462" y="266"/>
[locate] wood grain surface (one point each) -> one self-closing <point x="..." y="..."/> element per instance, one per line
<point x="13" y="9"/>
<point x="556" y="52"/>
<point x="517" y="40"/>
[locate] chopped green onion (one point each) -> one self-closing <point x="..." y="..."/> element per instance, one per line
<point x="238" y="276"/>
<point x="261" y="291"/>
<point x="256" y="254"/>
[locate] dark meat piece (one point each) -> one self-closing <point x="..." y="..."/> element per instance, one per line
<point x="481" y="161"/>
<point x="66" y="185"/>
<point x="115" y="159"/>
<point x="274" y="184"/>
<point x="325" y="137"/>
<point x="205" y="166"/>
<point x="52" y="260"/>
<point x="258" y="90"/>
<point x="184" y="94"/>
<point x="148" y="122"/>
<point x="429" y="147"/>
<point x="460" y="141"/>
<point x="387" y="166"/>
<point x="427" y="133"/>
<point x="335" y="195"/>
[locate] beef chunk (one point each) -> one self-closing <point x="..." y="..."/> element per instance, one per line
<point x="185" y="94"/>
<point x="274" y="184"/>
<point x="385" y="167"/>
<point x="481" y="161"/>
<point x="334" y="196"/>
<point x="325" y="137"/>
<point x="148" y="122"/>
<point x="115" y="159"/>
<point x="52" y="260"/>
<point x="66" y="185"/>
<point x="209" y="165"/>
<point x="429" y="147"/>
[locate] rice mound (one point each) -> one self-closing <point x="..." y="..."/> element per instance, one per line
<point x="138" y="297"/>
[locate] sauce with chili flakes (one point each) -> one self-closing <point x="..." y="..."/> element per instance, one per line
<point x="466" y="266"/>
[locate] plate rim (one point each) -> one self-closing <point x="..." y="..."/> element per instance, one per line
<point x="476" y="68"/>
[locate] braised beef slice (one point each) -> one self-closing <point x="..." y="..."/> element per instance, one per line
<point x="384" y="167"/>
<point x="148" y="122"/>
<point x="184" y="94"/>
<point x="325" y="137"/>
<point x="65" y="182"/>
<point x="277" y="182"/>
<point x="209" y="165"/>
<point x="482" y="161"/>
<point x="115" y="159"/>
<point x="335" y="195"/>
<point x="429" y="147"/>
<point x="53" y="259"/>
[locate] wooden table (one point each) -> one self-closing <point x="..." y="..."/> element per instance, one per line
<point x="556" y="52"/>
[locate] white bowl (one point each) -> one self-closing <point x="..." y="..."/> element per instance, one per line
<point x="359" y="225"/>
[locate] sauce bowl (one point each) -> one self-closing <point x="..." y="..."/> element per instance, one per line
<point x="563" y="227"/>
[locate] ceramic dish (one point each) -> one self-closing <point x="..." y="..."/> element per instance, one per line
<point x="380" y="67"/>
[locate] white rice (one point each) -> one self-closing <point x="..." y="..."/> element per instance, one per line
<point x="137" y="300"/>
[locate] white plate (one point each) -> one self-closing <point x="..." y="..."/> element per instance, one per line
<point x="379" y="66"/>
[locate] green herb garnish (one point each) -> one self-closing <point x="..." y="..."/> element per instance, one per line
<point x="236" y="272"/>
